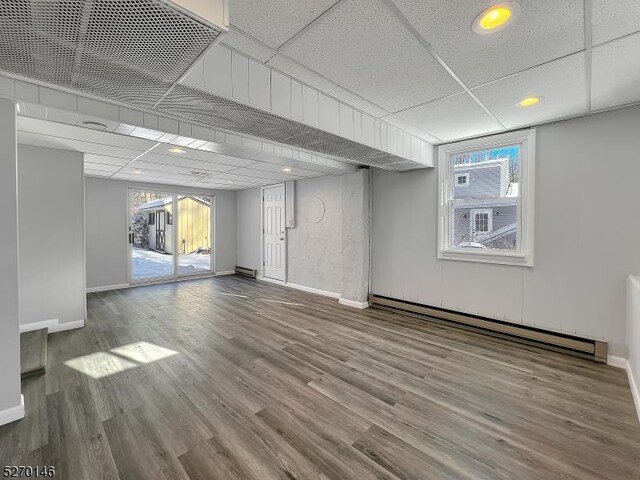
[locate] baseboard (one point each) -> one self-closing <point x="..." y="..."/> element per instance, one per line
<point x="353" y="303"/>
<point x="62" y="327"/>
<point x="617" y="362"/>
<point x="107" y="288"/>
<point x="634" y="389"/>
<point x="317" y="291"/>
<point x="12" y="414"/>
<point x="29" y="327"/>
<point x="271" y="280"/>
<point x="623" y="363"/>
<point x="225" y="272"/>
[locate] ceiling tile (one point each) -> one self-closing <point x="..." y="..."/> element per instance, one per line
<point x="615" y="77"/>
<point x="105" y="160"/>
<point x="314" y="79"/>
<point x="275" y="22"/>
<point x="89" y="166"/>
<point x="561" y="82"/>
<point x="614" y="18"/>
<point x="248" y="45"/>
<point x="544" y="30"/>
<point x="451" y="118"/>
<point x="363" y="47"/>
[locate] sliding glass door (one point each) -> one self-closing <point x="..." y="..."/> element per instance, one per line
<point x="170" y="235"/>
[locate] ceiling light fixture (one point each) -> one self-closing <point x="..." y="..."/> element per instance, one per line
<point x="496" y="17"/>
<point x="529" y="102"/>
<point x="229" y="182"/>
<point x="286" y="169"/>
<point x="95" y="125"/>
<point x="138" y="172"/>
<point x="177" y="150"/>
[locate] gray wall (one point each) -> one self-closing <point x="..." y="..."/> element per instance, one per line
<point x="330" y="255"/>
<point x="106" y="210"/>
<point x="587" y="236"/>
<point x="51" y="228"/>
<point x="9" y="303"/>
<point x="248" y="229"/>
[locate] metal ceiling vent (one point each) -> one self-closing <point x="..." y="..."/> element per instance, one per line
<point x="216" y="111"/>
<point x="130" y="51"/>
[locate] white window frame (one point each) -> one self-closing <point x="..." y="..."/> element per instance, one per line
<point x="472" y="223"/>
<point x="523" y="255"/>
<point x="466" y="183"/>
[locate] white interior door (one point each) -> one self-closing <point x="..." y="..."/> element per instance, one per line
<point x="274" y="238"/>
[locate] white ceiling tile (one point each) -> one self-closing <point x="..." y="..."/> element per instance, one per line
<point x="96" y="173"/>
<point x="248" y="45"/>
<point x="362" y="46"/>
<point x="451" y="118"/>
<point x="615" y="78"/>
<point x="544" y="30"/>
<point x="105" y="160"/>
<point x="614" y="18"/>
<point x="100" y="167"/>
<point x="275" y="22"/>
<point x="300" y="72"/>
<point x="561" y="82"/>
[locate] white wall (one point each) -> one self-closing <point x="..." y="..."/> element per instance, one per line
<point x="316" y="250"/>
<point x="248" y="229"/>
<point x="51" y="231"/>
<point x="10" y="404"/>
<point x="633" y="337"/>
<point x="586" y="236"/>
<point x="106" y="213"/>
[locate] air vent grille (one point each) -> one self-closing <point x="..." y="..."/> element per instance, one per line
<point x="219" y="112"/>
<point x="126" y="50"/>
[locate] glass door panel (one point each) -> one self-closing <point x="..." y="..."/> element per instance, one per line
<point x="195" y="249"/>
<point x="151" y="235"/>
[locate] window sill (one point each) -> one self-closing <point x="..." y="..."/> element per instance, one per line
<point x="499" y="258"/>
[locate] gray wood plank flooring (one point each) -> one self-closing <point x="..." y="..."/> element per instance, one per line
<point x="232" y="378"/>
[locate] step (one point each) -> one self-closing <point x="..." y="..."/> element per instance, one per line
<point x="33" y="352"/>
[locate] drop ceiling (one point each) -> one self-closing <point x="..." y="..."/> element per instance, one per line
<point x="126" y="157"/>
<point x="419" y="66"/>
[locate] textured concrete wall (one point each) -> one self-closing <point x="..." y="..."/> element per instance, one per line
<point x="355" y="236"/>
<point x="314" y="249"/>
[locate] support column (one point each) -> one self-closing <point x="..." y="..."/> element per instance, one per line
<point x="11" y="403"/>
<point x="355" y="239"/>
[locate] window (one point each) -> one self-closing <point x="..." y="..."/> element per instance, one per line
<point x="481" y="221"/>
<point x="152" y="219"/>
<point x="491" y="218"/>
<point x="462" y="179"/>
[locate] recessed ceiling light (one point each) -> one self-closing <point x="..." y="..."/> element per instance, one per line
<point x="529" y="102"/>
<point x="176" y="150"/>
<point x="95" y="125"/>
<point x="286" y="169"/>
<point x="138" y="172"/>
<point x="229" y="182"/>
<point x="496" y="17"/>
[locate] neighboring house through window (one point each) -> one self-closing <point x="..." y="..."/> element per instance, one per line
<point x="486" y="206"/>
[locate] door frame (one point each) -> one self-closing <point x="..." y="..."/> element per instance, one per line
<point x="176" y="276"/>
<point x="286" y="236"/>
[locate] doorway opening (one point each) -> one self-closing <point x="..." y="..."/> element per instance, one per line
<point x="170" y="235"/>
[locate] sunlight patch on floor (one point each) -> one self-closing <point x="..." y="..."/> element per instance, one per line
<point x="143" y="352"/>
<point x="100" y="365"/>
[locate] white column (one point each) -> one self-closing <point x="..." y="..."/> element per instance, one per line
<point x="11" y="404"/>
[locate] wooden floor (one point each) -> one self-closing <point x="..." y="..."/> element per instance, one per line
<point x="232" y="378"/>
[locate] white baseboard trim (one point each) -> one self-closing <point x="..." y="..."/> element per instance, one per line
<point x="617" y="362"/>
<point x="62" y="327"/>
<point x="317" y="291"/>
<point x="12" y="414"/>
<point x="634" y="388"/>
<point x="107" y="288"/>
<point x="225" y="272"/>
<point x="271" y="280"/>
<point x="353" y="303"/>
<point x="623" y="363"/>
<point x="30" y="327"/>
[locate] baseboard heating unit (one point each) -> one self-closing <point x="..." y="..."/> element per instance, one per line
<point x="585" y="347"/>
<point x="247" y="272"/>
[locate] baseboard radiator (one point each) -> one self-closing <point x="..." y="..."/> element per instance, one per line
<point x="585" y="347"/>
<point x="246" y="272"/>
